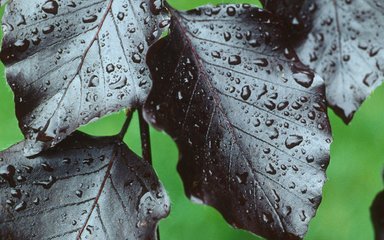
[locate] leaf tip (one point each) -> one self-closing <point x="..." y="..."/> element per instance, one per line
<point x="32" y="148"/>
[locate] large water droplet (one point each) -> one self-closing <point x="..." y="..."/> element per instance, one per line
<point x="51" y="7"/>
<point x="246" y="92"/>
<point x="234" y="60"/>
<point x="293" y="141"/>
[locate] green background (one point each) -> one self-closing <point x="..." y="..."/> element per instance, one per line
<point x="354" y="173"/>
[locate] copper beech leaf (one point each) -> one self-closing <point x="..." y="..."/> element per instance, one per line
<point x="248" y="117"/>
<point x="84" y="188"/>
<point x="71" y="62"/>
<point x="342" y="41"/>
<point x="377" y="215"/>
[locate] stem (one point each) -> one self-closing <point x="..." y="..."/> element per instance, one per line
<point x="146" y="148"/>
<point x="145" y="138"/>
<point x="124" y="129"/>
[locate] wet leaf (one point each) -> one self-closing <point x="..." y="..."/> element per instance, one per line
<point x="377" y="215"/>
<point x="93" y="188"/>
<point x="70" y="63"/>
<point x="249" y="119"/>
<point x="343" y="42"/>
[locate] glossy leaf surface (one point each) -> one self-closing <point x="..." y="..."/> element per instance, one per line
<point x="342" y="41"/>
<point x="84" y="188"/>
<point x="71" y="62"/>
<point x="248" y="117"/>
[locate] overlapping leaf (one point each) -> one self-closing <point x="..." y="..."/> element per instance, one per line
<point x="71" y="62"/>
<point x="343" y="42"/>
<point x="377" y="215"/>
<point x="86" y="187"/>
<point x="248" y="117"/>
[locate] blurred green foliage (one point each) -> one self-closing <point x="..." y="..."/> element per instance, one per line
<point x="357" y="156"/>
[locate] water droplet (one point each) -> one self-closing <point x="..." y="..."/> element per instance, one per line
<point x="120" y="16"/>
<point x="21" y="206"/>
<point x="89" y="19"/>
<point x="79" y="193"/>
<point x="7" y="172"/>
<point x="46" y="184"/>
<point x="110" y="68"/>
<point x="261" y="62"/>
<point x="136" y="58"/>
<point x="302" y="75"/>
<point x="242" y="178"/>
<point x="16" y="193"/>
<point x="293" y="141"/>
<point x="94" y="81"/>
<point x="50" y="7"/>
<point x="270" y="169"/>
<point x="227" y="36"/>
<point x="234" y="60"/>
<point x="246" y="92"/>
<point x="47" y="167"/>
<point x="370" y="79"/>
<point x="231" y="11"/>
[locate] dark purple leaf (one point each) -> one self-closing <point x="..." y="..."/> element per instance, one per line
<point x="249" y="118"/>
<point x="71" y="62"/>
<point x="377" y="215"/>
<point x="291" y="12"/>
<point x="343" y="42"/>
<point x="93" y="188"/>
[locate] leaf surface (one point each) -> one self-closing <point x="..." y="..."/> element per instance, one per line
<point x="343" y="42"/>
<point x="70" y="63"/>
<point x="84" y="188"/>
<point x="248" y="117"/>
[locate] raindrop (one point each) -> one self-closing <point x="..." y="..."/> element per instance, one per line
<point x="79" y="193"/>
<point x="51" y="7"/>
<point x="21" y="206"/>
<point x="302" y="76"/>
<point x="234" y="60"/>
<point x="94" y="81"/>
<point x="110" y="68"/>
<point x="227" y="36"/>
<point x="136" y="58"/>
<point x="270" y="169"/>
<point x="261" y="62"/>
<point x="47" y="167"/>
<point x="120" y="16"/>
<point x="246" y="92"/>
<point x="48" y="29"/>
<point x="46" y="184"/>
<point x="293" y="141"/>
<point x="370" y="79"/>
<point x="89" y="19"/>
<point x="242" y="178"/>
<point x="16" y="193"/>
<point x="7" y="172"/>
<point x="231" y="11"/>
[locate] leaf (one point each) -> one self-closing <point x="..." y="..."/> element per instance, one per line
<point x="70" y="63"/>
<point x="86" y="187"/>
<point x="343" y="43"/>
<point x="249" y="119"/>
<point x="377" y="215"/>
